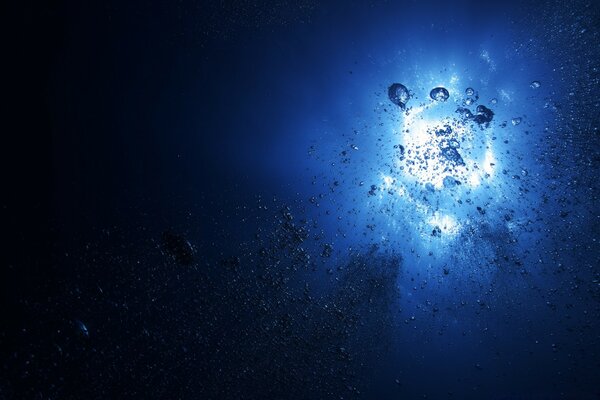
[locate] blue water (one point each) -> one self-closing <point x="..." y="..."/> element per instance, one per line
<point x="238" y="209"/>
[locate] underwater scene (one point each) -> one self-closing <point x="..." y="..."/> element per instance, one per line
<point x="305" y="200"/>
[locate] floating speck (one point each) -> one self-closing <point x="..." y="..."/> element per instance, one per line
<point x="82" y="328"/>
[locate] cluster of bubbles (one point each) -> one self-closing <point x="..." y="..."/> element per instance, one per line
<point x="435" y="145"/>
<point x="399" y="94"/>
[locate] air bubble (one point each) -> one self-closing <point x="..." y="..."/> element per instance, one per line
<point x="439" y="94"/>
<point x="484" y="115"/>
<point x="398" y="94"/>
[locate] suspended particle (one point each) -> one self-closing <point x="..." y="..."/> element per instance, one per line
<point x="83" y="330"/>
<point x="327" y="250"/>
<point x="439" y="94"/>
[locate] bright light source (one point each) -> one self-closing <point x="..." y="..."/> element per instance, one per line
<point x="442" y="152"/>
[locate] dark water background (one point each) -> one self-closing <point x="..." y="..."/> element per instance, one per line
<point x="204" y="201"/>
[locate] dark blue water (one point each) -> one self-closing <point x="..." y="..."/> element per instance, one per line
<point x="235" y="207"/>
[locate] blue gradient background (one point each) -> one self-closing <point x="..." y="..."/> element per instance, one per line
<point x="192" y="117"/>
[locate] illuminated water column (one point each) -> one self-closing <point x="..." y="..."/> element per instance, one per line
<point x="443" y="150"/>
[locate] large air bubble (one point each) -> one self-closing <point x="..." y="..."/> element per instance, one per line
<point x="439" y="94"/>
<point x="398" y="94"/>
